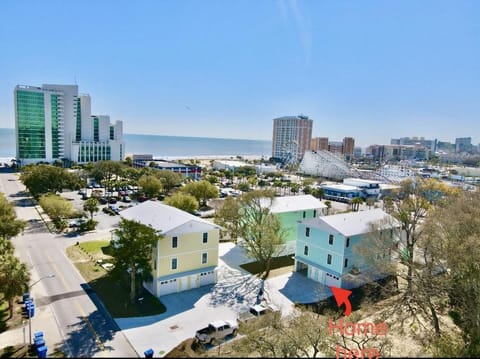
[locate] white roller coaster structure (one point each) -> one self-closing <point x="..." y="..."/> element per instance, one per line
<point x="326" y="164"/>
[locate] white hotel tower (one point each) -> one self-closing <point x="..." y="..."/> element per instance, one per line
<point x="54" y="122"/>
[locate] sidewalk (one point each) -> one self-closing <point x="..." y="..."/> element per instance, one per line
<point x="44" y="320"/>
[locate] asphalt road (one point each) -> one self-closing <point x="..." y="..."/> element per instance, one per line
<point x="86" y="327"/>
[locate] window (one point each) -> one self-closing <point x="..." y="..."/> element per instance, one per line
<point x="330" y="239"/>
<point x="174" y="263"/>
<point x="329" y="259"/>
<point x="304" y="214"/>
<point x="305" y="250"/>
<point x="307" y="232"/>
<point x="204" y="258"/>
<point x="348" y="242"/>
<point x="314" y="213"/>
<point x="205" y="237"/>
<point x="174" y="242"/>
<point x="346" y="263"/>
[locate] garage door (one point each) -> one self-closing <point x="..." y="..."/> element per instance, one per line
<point x="207" y="277"/>
<point x="168" y="286"/>
<point x="331" y="279"/>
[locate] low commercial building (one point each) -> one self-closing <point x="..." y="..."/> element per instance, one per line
<point x="340" y="192"/>
<point x="369" y="188"/>
<point x="184" y="169"/>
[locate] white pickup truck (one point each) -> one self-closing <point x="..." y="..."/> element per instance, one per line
<point x="216" y="331"/>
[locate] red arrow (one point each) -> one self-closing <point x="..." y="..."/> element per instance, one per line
<point x="341" y="296"/>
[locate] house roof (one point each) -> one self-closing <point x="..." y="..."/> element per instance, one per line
<point x="295" y="203"/>
<point x="351" y="223"/>
<point x="341" y="187"/>
<point x="162" y="217"/>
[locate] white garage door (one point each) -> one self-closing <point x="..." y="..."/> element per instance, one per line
<point x="168" y="286"/>
<point x="331" y="279"/>
<point x="207" y="277"/>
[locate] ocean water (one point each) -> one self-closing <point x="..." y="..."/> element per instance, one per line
<point x="170" y="147"/>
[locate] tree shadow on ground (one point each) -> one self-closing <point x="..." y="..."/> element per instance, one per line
<point x="235" y="289"/>
<point x="88" y="336"/>
<point x="113" y="289"/>
<point x="22" y="194"/>
<point x="23" y="202"/>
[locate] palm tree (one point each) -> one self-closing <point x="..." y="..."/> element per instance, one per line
<point x="329" y="205"/>
<point x="91" y="206"/>
<point x="319" y="192"/>
<point x="355" y="203"/>
<point x="14" y="279"/>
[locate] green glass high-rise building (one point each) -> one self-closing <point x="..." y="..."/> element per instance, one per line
<point x="54" y="122"/>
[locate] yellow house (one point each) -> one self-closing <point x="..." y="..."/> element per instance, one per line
<point x="187" y="255"/>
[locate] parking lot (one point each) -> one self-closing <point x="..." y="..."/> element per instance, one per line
<point x="105" y="220"/>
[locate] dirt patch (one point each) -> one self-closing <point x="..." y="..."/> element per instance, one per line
<point x="187" y="349"/>
<point x="280" y="265"/>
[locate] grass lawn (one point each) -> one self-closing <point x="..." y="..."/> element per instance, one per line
<point x="112" y="287"/>
<point x="93" y="247"/>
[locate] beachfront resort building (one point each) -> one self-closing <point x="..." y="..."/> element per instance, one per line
<point x="329" y="248"/>
<point x="54" y="122"/>
<point x="187" y="255"/>
<point x="186" y="170"/>
<point x="291" y="138"/>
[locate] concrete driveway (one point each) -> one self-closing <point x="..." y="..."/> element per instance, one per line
<point x="234" y="291"/>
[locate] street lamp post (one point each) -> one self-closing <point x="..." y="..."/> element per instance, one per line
<point x="28" y="311"/>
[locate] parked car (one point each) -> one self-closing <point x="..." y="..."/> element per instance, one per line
<point x="256" y="311"/>
<point x="76" y="222"/>
<point x="103" y="200"/>
<point x="142" y="198"/>
<point x="215" y="331"/>
<point x="127" y="199"/>
<point x="115" y="209"/>
<point x="108" y="210"/>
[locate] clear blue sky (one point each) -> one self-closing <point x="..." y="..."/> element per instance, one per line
<point x="368" y="69"/>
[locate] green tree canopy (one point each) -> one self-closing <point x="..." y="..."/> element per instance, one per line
<point x="133" y="250"/>
<point x="10" y="226"/>
<point x="169" y="179"/>
<point x="202" y="191"/>
<point x="57" y="208"/>
<point x="107" y="172"/>
<point x="183" y="201"/>
<point x="42" y="179"/>
<point x="228" y="217"/>
<point x="151" y="185"/>
<point x="14" y="279"/>
<point x="260" y="229"/>
<point x="91" y="206"/>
